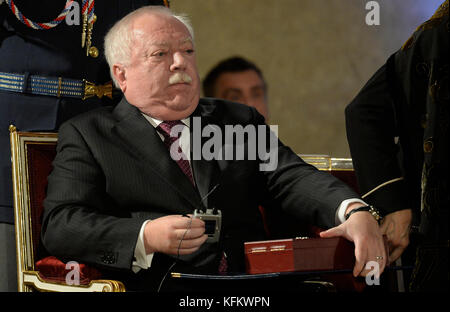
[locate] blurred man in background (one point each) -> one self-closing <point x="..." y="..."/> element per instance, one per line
<point x="239" y="80"/>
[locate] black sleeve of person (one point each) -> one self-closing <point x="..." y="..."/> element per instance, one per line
<point x="371" y="130"/>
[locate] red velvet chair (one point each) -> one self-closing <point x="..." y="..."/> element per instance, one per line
<point x="32" y="154"/>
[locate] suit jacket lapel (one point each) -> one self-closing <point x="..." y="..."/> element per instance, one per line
<point x="141" y="139"/>
<point x="206" y="172"/>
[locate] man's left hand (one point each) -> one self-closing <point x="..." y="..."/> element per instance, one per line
<point x="396" y="227"/>
<point x="362" y="229"/>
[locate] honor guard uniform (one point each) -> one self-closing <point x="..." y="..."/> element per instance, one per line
<point x="398" y="132"/>
<point x="52" y="68"/>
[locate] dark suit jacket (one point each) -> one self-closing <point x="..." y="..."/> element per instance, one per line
<point x="112" y="172"/>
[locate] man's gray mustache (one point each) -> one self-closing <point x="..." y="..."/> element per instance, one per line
<point x="180" y="78"/>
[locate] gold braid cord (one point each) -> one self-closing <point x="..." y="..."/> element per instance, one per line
<point x="432" y="22"/>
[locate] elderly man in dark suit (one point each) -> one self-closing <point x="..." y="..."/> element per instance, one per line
<point x="119" y="199"/>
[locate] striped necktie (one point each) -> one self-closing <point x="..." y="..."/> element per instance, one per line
<point x="165" y="129"/>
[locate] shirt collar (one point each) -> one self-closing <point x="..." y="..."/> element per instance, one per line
<point x="155" y="122"/>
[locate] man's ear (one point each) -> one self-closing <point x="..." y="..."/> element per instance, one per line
<point x="120" y="76"/>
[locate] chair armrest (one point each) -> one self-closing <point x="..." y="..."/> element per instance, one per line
<point x="35" y="281"/>
<point x="52" y="269"/>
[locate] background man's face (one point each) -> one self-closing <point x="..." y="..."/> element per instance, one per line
<point x="162" y="47"/>
<point x="245" y="87"/>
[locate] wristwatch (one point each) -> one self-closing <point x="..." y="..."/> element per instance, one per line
<point x="373" y="211"/>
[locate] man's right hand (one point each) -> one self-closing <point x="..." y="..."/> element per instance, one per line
<point x="174" y="234"/>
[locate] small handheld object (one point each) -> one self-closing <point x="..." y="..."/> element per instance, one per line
<point x="213" y="223"/>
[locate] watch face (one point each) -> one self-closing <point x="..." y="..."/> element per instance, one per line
<point x="375" y="213"/>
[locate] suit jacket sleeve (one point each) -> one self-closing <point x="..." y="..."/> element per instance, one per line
<point x="76" y="199"/>
<point x="303" y="191"/>
<point x="371" y="131"/>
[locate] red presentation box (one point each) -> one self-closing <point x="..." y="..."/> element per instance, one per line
<point x="299" y="255"/>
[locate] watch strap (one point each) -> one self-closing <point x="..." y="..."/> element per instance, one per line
<point x="371" y="209"/>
